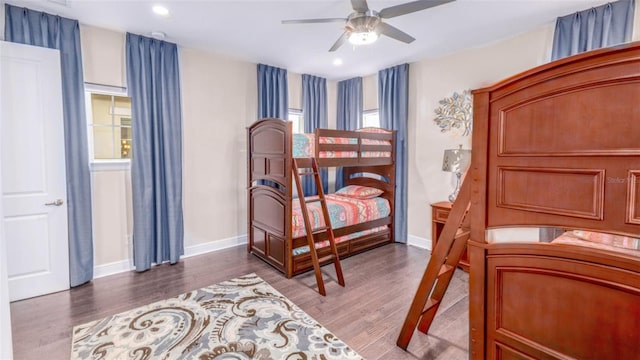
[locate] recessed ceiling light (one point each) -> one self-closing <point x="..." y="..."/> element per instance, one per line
<point x="337" y="62"/>
<point x="160" y="10"/>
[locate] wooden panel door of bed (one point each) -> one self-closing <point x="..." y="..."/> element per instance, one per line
<point x="269" y="191"/>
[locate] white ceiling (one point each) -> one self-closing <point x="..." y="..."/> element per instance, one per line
<point x="251" y="30"/>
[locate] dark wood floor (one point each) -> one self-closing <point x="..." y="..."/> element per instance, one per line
<point x="367" y="314"/>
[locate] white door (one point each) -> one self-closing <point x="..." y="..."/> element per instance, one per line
<point x="33" y="171"/>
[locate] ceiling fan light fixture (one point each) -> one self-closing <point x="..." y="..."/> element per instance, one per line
<point x="363" y="37"/>
<point x="364" y="25"/>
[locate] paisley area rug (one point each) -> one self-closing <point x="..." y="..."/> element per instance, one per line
<point x="243" y="318"/>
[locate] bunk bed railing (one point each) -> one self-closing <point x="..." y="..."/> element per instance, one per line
<point x="361" y="143"/>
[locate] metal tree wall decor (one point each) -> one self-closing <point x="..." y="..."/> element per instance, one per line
<point x="455" y="113"/>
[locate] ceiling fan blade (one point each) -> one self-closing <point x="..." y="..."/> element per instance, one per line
<point x="340" y="41"/>
<point x="410" y="7"/>
<point x="314" y="21"/>
<point x="360" y="6"/>
<point x="394" y="32"/>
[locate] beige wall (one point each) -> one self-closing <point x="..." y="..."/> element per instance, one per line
<point x="103" y="56"/>
<point x="294" y="84"/>
<point x="112" y="215"/>
<point x="219" y="100"/>
<point x="370" y="92"/>
<point x="332" y="103"/>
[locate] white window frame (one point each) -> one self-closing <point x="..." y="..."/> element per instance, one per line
<point x="368" y="113"/>
<point x="101" y="164"/>
<point x="300" y="115"/>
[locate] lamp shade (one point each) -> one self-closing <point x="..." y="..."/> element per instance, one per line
<point x="456" y="160"/>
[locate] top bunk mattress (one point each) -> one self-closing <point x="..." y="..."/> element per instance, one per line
<point x="304" y="146"/>
<point x="602" y="241"/>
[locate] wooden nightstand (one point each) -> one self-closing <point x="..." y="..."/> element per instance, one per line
<point x="439" y="215"/>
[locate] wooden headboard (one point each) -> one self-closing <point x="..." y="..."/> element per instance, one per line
<point x="559" y="145"/>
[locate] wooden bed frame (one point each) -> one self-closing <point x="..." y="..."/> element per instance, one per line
<point x="270" y="192"/>
<point x="559" y="146"/>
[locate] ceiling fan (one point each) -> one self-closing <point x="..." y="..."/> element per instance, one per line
<point x="363" y="25"/>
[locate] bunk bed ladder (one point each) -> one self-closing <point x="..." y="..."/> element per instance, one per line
<point x="437" y="276"/>
<point x="306" y="164"/>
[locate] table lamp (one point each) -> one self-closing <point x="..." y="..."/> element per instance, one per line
<point x="456" y="161"/>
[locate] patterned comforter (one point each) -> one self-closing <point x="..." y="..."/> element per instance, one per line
<point x="343" y="211"/>
<point x="303" y="147"/>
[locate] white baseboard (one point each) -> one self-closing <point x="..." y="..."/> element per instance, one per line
<point x="112" y="268"/>
<point x="192" y="250"/>
<point x="419" y="242"/>
<point x="217" y="245"/>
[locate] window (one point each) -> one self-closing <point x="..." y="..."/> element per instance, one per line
<point x="109" y="123"/>
<point x="371" y="118"/>
<point x="297" y="118"/>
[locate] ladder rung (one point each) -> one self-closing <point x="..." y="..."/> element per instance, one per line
<point x="307" y="173"/>
<point x="326" y="258"/>
<point x="314" y="200"/>
<point x="319" y="230"/>
<point x="445" y="269"/>
<point x="430" y="304"/>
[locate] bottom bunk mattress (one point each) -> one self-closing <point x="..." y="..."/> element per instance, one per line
<point x="602" y="241"/>
<point x="343" y="211"/>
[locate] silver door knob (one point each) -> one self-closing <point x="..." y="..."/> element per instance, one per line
<point x="55" y="203"/>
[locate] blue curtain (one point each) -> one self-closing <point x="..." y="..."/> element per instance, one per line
<point x="273" y="97"/>
<point x="349" y="115"/>
<point x="598" y="27"/>
<point x="393" y="103"/>
<point x="153" y="81"/>
<point x="31" y="27"/>
<point x="314" y="110"/>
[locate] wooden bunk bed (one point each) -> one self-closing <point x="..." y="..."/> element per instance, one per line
<point x="559" y="146"/>
<point x="368" y="159"/>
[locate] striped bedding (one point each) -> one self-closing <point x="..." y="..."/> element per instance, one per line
<point x="617" y="243"/>
<point x="343" y="211"/>
<point x="303" y="146"/>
